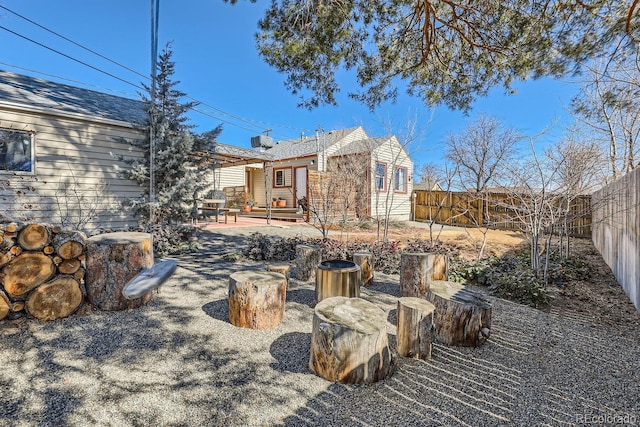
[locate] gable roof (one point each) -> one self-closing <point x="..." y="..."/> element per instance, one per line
<point x="33" y="93"/>
<point x="307" y="146"/>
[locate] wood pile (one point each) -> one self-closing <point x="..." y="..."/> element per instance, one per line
<point x="42" y="269"/>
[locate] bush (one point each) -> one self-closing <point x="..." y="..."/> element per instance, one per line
<point x="510" y="277"/>
<point x="170" y="239"/>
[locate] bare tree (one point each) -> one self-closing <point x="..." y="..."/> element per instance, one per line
<point x="532" y="199"/>
<point x="392" y="151"/>
<point x="480" y="150"/>
<point x="578" y="163"/>
<point x="430" y="175"/>
<point x="445" y="176"/>
<point x="607" y="106"/>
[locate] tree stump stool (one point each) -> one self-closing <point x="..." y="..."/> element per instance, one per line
<point x="418" y="270"/>
<point x="349" y="341"/>
<point x="462" y="316"/>
<point x="113" y="259"/>
<point x="307" y="259"/>
<point x="256" y="299"/>
<point x="365" y="261"/>
<point x="284" y="269"/>
<point x="415" y="327"/>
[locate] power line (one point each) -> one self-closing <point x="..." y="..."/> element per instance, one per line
<point x="71" y="58"/>
<point x="73" y="42"/>
<point x="255" y="123"/>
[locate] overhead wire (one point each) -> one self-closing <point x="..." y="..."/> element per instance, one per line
<point x="256" y="123"/>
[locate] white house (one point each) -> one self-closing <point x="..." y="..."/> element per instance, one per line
<point x="385" y="184"/>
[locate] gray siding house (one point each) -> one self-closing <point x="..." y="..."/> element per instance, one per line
<point x="59" y="146"/>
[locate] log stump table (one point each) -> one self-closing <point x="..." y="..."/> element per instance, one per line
<point x="418" y="270"/>
<point x="113" y="259"/>
<point x="256" y="299"/>
<point x="349" y="341"/>
<point x="280" y="268"/>
<point x="365" y="261"/>
<point x="462" y="316"/>
<point x="415" y="327"/>
<point x="307" y="259"/>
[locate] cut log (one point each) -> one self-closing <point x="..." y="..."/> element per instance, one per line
<point x="25" y="272"/>
<point x="284" y="269"/>
<point x="70" y="244"/>
<point x="17" y="306"/>
<point x="69" y="266"/>
<point x="5" y="257"/>
<point x="415" y="327"/>
<point x="462" y="316"/>
<point x="55" y="300"/>
<point x="48" y="250"/>
<point x="418" y="270"/>
<point x="365" y="261"/>
<point x="307" y="259"/>
<point x="256" y="299"/>
<point x="113" y="259"/>
<point x="349" y="341"/>
<point x="5" y="305"/>
<point x="12" y="227"/>
<point x="79" y="275"/>
<point x="16" y="250"/>
<point x="7" y="243"/>
<point x="33" y="237"/>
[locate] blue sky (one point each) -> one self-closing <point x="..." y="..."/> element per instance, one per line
<point x="217" y="63"/>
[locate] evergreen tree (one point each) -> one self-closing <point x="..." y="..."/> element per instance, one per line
<point x="179" y="170"/>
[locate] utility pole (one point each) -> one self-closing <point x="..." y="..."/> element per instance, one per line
<point x="155" y="12"/>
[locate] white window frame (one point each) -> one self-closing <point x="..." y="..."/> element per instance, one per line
<point x="17" y="152"/>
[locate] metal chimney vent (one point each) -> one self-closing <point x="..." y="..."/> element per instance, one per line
<point x="261" y="141"/>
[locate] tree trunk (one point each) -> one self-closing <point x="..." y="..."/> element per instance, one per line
<point x="415" y="327"/>
<point x="55" y="300"/>
<point x="70" y="244"/>
<point x="256" y="299"/>
<point x="349" y="341"/>
<point x="113" y="259"/>
<point x="462" y="316"/>
<point x="418" y="270"/>
<point x="307" y="259"/>
<point x="25" y="272"/>
<point x="365" y="261"/>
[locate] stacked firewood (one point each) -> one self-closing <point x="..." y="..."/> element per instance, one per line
<point x="42" y="269"/>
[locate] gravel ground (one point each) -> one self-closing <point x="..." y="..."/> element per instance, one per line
<point x="178" y="361"/>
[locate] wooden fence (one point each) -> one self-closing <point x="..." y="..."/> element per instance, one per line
<point x="616" y="231"/>
<point x="497" y="210"/>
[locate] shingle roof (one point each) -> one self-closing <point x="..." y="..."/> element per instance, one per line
<point x="307" y="146"/>
<point x="32" y="91"/>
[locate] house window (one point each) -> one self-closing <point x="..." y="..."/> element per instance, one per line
<point x="400" y="180"/>
<point x="16" y="151"/>
<point x="381" y="176"/>
<point x="282" y="177"/>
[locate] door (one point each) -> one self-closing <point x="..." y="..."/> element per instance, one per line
<point x="300" y="184"/>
